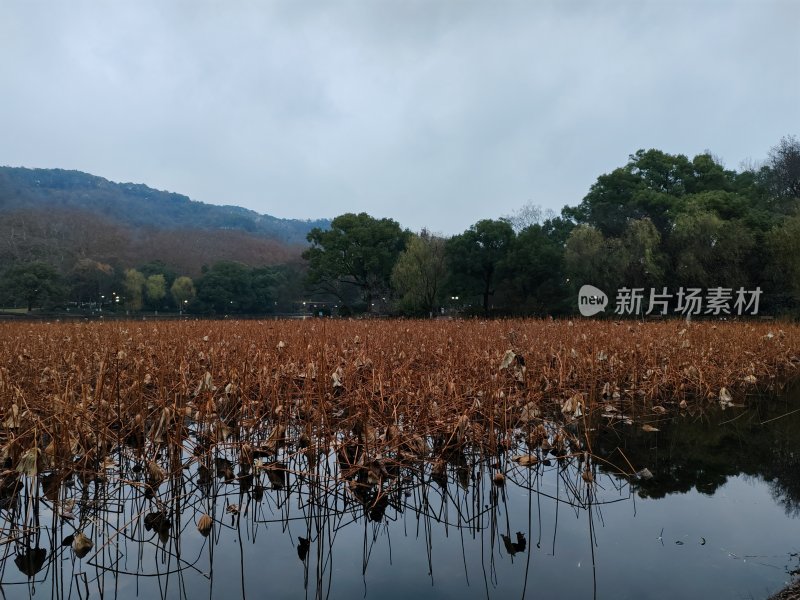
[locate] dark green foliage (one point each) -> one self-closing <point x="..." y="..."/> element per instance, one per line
<point x="234" y="288"/>
<point x="535" y="269"/>
<point x="653" y="185"/>
<point x="227" y="288"/>
<point x="358" y="251"/>
<point x="32" y="284"/>
<point x="91" y="280"/>
<point x="479" y="259"/>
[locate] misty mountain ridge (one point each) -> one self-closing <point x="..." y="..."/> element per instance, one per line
<point x="137" y="206"/>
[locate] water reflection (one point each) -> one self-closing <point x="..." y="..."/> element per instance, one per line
<point x="703" y="450"/>
<point x="220" y="517"/>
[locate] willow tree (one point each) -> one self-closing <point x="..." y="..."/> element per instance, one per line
<point x="419" y="274"/>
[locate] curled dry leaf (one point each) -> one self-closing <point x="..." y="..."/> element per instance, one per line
<point x="336" y="377"/>
<point x="206" y="384"/>
<point x="204" y="525"/>
<point x="725" y="398"/>
<point x="649" y="428"/>
<point x="461" y="428"/>
<point x="29" y="462"/>
<point x="12" y="418"/>
<point x="530" y="412"/>
<point x="508" y="358"/>
<point x="81" y="544"/>
<point x="155" y="474"/>
<point x="66" y="508"/>
<point x="526" y="460"/>
<point x="573" y="405"/>
<point x="537" y="436"/>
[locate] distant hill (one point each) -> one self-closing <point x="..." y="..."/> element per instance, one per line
<point x="63" y="217"/>
<point x="137" y="205"/>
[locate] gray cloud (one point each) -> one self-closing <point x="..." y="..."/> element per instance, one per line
<point x="436" y="114"/>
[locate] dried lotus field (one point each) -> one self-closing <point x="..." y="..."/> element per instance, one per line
<point x="70" y="393"/>
<point x="358" y="410"/>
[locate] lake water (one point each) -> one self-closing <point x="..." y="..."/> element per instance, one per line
<point x="718" y="519"/>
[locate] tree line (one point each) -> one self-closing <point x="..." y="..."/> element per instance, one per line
<point x="661" y="221"/>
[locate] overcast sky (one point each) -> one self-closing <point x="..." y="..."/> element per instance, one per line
<point x="435" y="113"/>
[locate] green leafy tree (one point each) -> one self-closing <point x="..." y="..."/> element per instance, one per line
<point x="357" y="251"/>
<point x="134" y="289"/>
<point x="291" y="286"/>
<point x="183" y="292"/>
<point x="784" y="246"/>
<point x="33" y="283"/>
<point x="420" y="272"/>
<point x="652" y="185"/>
<point x="642" y="243"/>
<point x="536" y="270"/>
<point x="226" y="288"/>
<point x="478" y="257"/>
<point x="265" y="283"/>
<point x="91" y="279"/>
<point x="159" y="267"/>
<point x="709" y="251"/>
<point x="155" y="288"/>
<point x="591" y="258"/>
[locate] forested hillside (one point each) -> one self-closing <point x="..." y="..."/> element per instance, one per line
<point x="135" y="205"/>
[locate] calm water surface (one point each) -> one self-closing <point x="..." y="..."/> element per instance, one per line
<point x="718" y="519"/>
